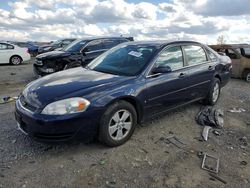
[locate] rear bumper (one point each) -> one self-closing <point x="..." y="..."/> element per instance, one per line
<point x="83" y="126"/>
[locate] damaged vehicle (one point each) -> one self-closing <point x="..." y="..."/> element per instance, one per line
<point x="78" y="53"/>
<point x="129" y="84"/>
<point x="59" y="44"/>
<point x="240" y="56"/>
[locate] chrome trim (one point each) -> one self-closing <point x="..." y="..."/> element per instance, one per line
<point x="26" y="109"/>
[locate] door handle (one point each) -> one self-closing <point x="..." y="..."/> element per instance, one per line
<point x="210" y="68"/>
<point x="182" y="75"/>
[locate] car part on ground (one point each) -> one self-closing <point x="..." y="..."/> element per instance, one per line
<point x="80" y="52"/>
<point x="240" y="56"/>
<point x="129" y="84"/>
<point x="214" y="168"/>
<point x="209" y="116"/>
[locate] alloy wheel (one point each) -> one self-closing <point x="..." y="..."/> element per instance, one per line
<point x="216" y="92"/>
<point x="120" y="124"/>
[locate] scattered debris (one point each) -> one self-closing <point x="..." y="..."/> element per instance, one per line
<point x="217" y="133"/>
<point x="243" y="140"/>
<point x="218" y="178"/>
<point x="236" y="110"/>
<point x="243" y="163"/>
<point x="173" y="140"/>
<point x="7" y="99"/>
<point x="209" y="116"/>
<point x="204" y="166"/>
<point x="200" y="154"/>
<point x="102" y="162"/>
<point x="205" y="132"/>
<point x="111" y="184"/>
<point x="12" y="73"/>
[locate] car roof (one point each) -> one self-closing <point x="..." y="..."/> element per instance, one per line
<point x="99" y="38"/>
<point x="160" y="43"/>
<point x="230" y="46"/>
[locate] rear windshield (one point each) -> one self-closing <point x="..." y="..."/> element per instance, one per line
<point x="246" y="52"/>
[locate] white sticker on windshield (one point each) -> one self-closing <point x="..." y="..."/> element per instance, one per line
<point x="136" y="54"/>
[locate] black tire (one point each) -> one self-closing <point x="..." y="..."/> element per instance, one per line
<point x="104" y="134"/>
<point x="15" y="60"/>
<point x="209" y="100"/>
<point x="246" y="75"/>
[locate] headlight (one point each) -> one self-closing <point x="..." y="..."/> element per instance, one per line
<point x="66" y="106"/>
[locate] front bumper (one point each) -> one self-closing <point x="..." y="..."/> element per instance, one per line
<point x="40" y="71"/>
<point x="58" y="128"/>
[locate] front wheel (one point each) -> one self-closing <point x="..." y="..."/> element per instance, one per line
<point x="214" y="92"/>
<point x="117" y="124"/>
<point x="248" y="76"/>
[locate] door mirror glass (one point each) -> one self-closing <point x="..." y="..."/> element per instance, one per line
<point x="162" y="69"/>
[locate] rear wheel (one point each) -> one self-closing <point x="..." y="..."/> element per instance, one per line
<point x="214" y="93"/>
<point x="248" y="77"/>
<point x="117" y="124"/>
<point x="15" y="60"/>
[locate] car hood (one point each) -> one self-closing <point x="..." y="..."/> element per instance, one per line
<point x="53" y="55"/>
<point x="65" y="83"/>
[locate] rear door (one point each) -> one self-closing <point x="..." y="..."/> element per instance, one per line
<point x="92" y="50"/>
<point x="200" y="69"/>
<point x="165" y="91"/>
<point x="6" y="51"/>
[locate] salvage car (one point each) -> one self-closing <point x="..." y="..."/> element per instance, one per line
<point x="55" y="45"/>
<point x="129" y="84"/>
<point x="78" y="53"/>
<point x="13" y="54"/>
<point x="240" y="56"/>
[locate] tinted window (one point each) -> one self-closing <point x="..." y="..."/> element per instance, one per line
<point x="75" y="46"/>
<point x="128" y="60"/>
<point x="6" y="46"/>
<point x="230" y="53"/>
<point x="110" y="43"/>
<point x="171" y="57"/>
<point x="195" y="55"/>
<point x="94" y="45"/>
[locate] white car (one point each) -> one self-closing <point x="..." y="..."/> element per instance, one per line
<point x="13" y="54"/>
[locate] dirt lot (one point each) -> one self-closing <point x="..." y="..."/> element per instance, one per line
<point x="144" y="161"/>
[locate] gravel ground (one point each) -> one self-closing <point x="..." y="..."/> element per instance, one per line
<point x="146" y="160"/>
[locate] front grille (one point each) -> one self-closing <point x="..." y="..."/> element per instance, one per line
<point x="26" y="105"/>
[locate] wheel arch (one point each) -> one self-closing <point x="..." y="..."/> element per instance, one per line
<point x="134" y="102"/>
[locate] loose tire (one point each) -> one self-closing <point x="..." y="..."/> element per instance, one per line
<point x="214" y="92"/>
<point x="15" y="60"/>
<point x="117" y="124"/>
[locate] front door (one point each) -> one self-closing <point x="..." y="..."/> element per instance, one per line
<point x="165" y="91"/>
<point x="236" y="62"/>
<point x="93" y="50"/>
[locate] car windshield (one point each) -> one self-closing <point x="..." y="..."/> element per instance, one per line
<point x="247" y="52"/>
<point x="75" y="46"/>
<point x="56" y="43"/>
<point x="125" y="59"/>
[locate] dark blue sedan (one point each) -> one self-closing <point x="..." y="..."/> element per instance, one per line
<point x="127" y="85"/>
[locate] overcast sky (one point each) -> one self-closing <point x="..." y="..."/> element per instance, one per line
<point x="202" y="20"/>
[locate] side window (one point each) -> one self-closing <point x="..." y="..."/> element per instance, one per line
<point x="3" y="46"/>
<point x="110" y="43"/>
<point x="10" y="47"/>
<point x="211" y="55"/>
<point x="195" y="55"/>
<point x="94" y="45"/>
<point x="171" y="57"/>
<point x="230" y="53"/>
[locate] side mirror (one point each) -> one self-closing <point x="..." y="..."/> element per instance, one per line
<point x="162" y="69"/>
